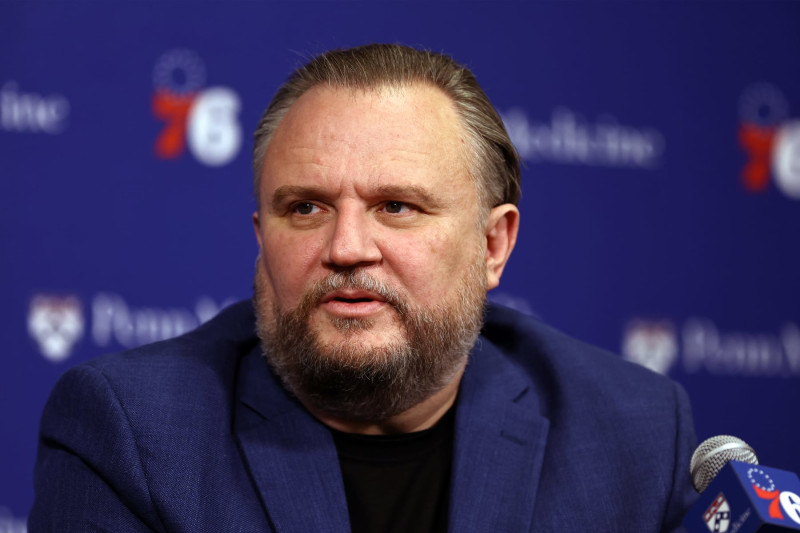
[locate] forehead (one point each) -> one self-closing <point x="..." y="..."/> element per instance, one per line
<point x="394" y="131"/>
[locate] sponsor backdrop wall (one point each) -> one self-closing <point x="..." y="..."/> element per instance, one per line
<point x="660" y="212"/>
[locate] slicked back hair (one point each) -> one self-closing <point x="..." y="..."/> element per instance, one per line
<point x="492" y="160"/>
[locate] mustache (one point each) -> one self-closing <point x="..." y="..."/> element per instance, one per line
<point x="352" y="280"/>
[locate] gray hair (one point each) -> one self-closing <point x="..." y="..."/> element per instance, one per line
<point x="491" y="158"/>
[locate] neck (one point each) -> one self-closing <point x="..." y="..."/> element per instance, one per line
<point x="422" y="416"/>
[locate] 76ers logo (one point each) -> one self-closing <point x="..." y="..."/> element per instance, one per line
<point x="770" y="139"/>
<point x="765" y="489"/>
<point x="206" y="119"/>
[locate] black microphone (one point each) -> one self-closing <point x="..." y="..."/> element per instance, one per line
<point x="737" y="495"/>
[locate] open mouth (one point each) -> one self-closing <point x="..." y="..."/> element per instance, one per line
<point x="353" y="300"/>
<point x="352" y="296"/>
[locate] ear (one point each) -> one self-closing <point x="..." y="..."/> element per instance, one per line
<point x="501" y="236"/>
<point x="257" y="228"/>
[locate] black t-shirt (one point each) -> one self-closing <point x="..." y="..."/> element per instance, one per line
<point x="398" y="483"/>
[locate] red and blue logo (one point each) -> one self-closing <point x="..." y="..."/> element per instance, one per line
<point x="205" y="119"/>
<point x="783" y="504"/>
<point x="770" y="139"/>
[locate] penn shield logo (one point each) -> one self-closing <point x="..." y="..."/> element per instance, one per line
<point x="204" y="119"/>
<point x="56" y="324"/>
<point x="770" y="139"/>
<point x="652" y="344"/>
<point x="780" y="501"/>
<point x="718" y="515"/>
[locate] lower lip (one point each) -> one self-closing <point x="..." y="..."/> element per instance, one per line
<point x="353" y="309"/>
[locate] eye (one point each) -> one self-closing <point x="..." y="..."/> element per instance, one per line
<point x="305" y="208"/>
<point x="396" y="208"/>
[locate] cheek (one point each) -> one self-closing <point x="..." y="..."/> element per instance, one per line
<point x="289" y="261"/>
<point x="429" y="266"/>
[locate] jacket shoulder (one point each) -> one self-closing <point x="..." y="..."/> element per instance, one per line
<point x="146" y="431"/>
<point x="613" y="424"/>
<point x="567" y="369"/>
<point x="211" y="351"/>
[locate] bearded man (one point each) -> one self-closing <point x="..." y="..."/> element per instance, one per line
<point x="368" y="387"/>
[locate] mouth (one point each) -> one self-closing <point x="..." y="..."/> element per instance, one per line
<point x="352" y="296"/>
<point x="352" y="302"/>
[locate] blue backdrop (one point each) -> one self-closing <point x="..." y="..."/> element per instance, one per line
<point x="661" y="198"/>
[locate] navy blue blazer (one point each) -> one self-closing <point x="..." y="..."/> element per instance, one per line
<point x="196" y="434"/>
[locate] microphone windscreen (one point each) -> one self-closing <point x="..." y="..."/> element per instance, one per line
<point x="714" y="453"/>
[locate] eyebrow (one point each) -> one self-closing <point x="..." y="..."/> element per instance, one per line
<point x="292" y="191"/>
<point x="413" y="193"/>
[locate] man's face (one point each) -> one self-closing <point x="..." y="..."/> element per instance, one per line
<point x="372" y="186"/>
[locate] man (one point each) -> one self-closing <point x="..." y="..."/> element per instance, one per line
<point x="387" y="190"/>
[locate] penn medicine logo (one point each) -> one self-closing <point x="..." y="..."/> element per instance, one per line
<point x="568" y="138"/>
<point x="701" y="346"/>
<point x="27" y="111"/>
<point x="204" y="119"/>
<point x="57" y="323"/>
<point x="770" y="139"/>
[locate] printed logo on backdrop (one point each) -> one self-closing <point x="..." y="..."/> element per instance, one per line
<point x="569" y="139"/>
<point x="718" y="515"/>
<point x="29" y="111"/>
<point x="652" y="344"/>
<point x="700" y="346"/>
<point x="10" y="523"/>
<point x="770" y="139"/>
<point x="203" y="118"/>
<point x="58" y="323"/>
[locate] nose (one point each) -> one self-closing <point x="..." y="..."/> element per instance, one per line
<point x="352" y="243"/>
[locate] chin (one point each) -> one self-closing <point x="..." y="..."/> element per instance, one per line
<point x="364" y="334"/>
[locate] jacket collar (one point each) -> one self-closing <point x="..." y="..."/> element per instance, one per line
<point x="290" y="454"/>
<point x="499" y="446"/>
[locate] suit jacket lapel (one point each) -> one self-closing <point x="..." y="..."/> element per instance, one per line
<point x="499" y="446"/>
<point x="291" y="456"/>
<point x="498" y="451"/>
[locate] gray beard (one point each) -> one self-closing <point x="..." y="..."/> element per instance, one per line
<point x="350" y="381"/>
